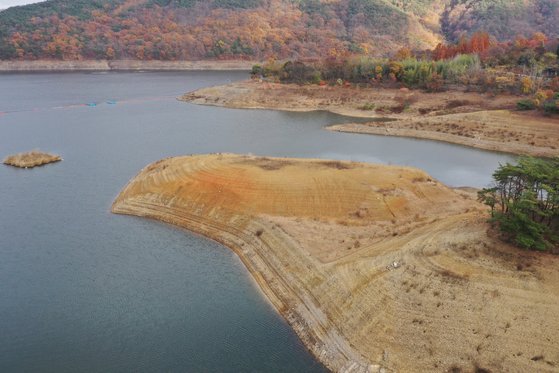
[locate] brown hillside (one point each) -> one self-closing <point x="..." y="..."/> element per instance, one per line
<point x="256" y="29"/>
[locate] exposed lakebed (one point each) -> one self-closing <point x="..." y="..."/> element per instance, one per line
<point x="84" y="289"/>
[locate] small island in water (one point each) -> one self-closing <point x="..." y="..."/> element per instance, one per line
<point x="31" y="159"/>
<point x="377" y="268"/>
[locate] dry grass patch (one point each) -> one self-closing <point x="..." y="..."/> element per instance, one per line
<point x="31" y="159"/>
<point x="377" y="268"/>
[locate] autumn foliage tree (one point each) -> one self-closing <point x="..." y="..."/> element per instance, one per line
<point x="479" y="43"/>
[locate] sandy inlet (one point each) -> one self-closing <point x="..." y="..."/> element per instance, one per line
<point x="467" y="118"/>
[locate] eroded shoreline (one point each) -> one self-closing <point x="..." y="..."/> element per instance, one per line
<point x="122" y="65"/>
<point x="464" y="118"/>
<point x="375" y="267"/>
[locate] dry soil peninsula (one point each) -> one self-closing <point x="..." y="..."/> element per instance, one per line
<point x="466" y="118"/>
<point x="31" y="159"/>
<point x="377" y="268"/>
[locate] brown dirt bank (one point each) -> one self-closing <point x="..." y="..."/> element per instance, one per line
<point x="393" y="103"/>
<point x="377" y="268"/>
<point x="498" y="130"/>
<point x="31" y="159"/>
<point x="106" y="65"/>
<point x="465" y="118"/>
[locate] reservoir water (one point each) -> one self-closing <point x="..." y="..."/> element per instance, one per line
<point x="84" y="290"/>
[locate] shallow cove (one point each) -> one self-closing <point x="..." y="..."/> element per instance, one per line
<point x="86" y="290"/>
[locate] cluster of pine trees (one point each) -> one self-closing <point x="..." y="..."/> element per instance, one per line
<point x="525" y="203"/>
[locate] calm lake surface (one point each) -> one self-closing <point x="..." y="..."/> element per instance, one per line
<point x="84" y="290"/>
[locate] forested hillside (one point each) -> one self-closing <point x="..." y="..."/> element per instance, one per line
<point x="256" y="29"/>
<point x="505" y="19"/>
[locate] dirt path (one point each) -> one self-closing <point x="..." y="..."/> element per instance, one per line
<point x="464" y="118"/>
<point x="376" y="268"/>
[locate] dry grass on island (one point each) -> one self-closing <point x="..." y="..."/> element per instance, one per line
<point x="466" y="118"/>
<point x="31" y="159"/>
<point x="377" y="268"/>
